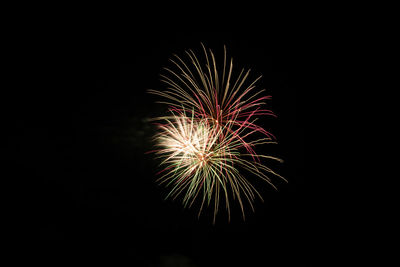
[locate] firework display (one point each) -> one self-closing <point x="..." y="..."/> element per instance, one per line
<point x="207" y="142"/>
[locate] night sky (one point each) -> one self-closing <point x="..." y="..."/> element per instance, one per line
<point x="80" y="134"/>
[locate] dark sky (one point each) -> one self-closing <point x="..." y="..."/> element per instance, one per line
<point x="80" y="134"/>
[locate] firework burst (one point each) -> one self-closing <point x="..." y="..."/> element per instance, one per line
<point x="209" y="137"/>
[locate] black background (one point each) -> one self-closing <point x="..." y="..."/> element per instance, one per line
<point x="87" y="187"/>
